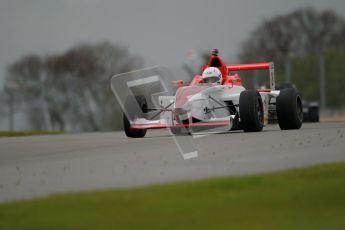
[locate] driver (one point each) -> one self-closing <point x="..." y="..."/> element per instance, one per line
<point x="212" y="75"/>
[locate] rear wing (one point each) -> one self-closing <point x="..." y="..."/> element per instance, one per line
<point x="256" y="66"/>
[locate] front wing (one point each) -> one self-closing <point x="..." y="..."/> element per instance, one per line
<point x="160" y="124"/>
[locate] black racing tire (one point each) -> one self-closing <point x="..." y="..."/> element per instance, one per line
<point x="289" y="109"/>
<point x="314" y="115"/>
<point x="306" y="117"/>
<point x="251" y="111"/>
<point x="131" y="106"/>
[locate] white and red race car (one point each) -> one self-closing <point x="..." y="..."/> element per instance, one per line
<point x="203" y="107"/>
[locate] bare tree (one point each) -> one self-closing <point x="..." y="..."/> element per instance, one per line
<point x="71" y="91"/>
<point x="24" y="81"/>
<point x="297" y="34"/>
<point x="300" y="32"/>
<point x="4" y="106"/>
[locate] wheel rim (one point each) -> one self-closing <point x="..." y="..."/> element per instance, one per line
<point x="259" y="111"/>
<point x="299" y="108"/>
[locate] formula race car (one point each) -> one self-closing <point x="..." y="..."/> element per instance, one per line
<point x="212" y="106"/>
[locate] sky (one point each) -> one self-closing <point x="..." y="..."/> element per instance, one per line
<point x="160" y="31"/>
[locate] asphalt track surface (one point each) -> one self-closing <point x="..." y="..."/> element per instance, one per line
<point x="44" y="165"/>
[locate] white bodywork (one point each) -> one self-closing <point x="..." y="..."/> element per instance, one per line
<point x="205" y="105"/>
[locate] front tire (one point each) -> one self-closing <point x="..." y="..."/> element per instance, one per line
<point x="131" y="106"/>
<point x="289" y="109"/>
<point x="251" y="111"/>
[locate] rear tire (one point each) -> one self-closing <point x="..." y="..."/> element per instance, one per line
<point x="131" y="106"/>
<point x="251" y="111"/>
<point x="314" y="114"/>
<point x="289" y="109"/>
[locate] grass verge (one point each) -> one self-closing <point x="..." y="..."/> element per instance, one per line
<point x="27" y="133"/>
<point x="309" y="198"/>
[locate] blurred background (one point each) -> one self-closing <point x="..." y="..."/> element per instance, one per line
<point x="57" y="57"/>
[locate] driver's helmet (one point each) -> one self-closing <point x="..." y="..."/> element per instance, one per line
<point x="212" y="75"/>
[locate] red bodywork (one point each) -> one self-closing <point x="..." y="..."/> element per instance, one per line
<point x="217" y="61"/>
